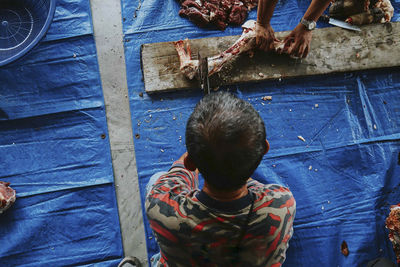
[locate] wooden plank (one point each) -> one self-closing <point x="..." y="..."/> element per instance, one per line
<point x="332" y="50"/>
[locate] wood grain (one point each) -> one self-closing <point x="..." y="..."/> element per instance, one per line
<point x="332" y="50"/>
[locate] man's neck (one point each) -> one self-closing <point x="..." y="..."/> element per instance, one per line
<point x="225" y="195"/>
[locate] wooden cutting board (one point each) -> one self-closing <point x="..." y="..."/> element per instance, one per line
<point x="332" y="50"/>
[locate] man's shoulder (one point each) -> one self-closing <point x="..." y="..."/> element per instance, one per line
<point x="273" y="196"/>
<point x="278" y="188"/>
<point x="268" y="188"/>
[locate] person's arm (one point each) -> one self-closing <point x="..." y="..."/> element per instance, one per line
<point x="265" y="10"/>
<point x="297" y="43"/>
<point x="316" y="8"/>
<point x="177" y="180"/>
<point x="265" y="36"/>
<point x="184" y="163"/>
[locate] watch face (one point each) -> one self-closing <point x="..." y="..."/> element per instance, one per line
<point x="312" y="25"/>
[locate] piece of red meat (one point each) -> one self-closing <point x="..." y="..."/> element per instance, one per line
<point x="393" y="224"/>
<point x="250" y="3"/>
<point x="217" y="13"/>
<point x="7" y="196"/>
<point x="238" y="14"/>
<point x="194" y="11"/>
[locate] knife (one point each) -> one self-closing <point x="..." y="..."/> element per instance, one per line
<point x="203" y="74"/>
<point x="339" y="23"/>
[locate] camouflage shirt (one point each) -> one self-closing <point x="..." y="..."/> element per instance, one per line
<point x="193" y="229"/>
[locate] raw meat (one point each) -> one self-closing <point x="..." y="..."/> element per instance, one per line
<point x="344" y="248"/>
<point x="219" y="13"/>
<point x="362" y="12"/>
<point x="7" y="196"/>
<point x="188" y="66"/>
<point x="245" y="44"/>
<point x="393" y="224"/>
<point x="387" y="9"/>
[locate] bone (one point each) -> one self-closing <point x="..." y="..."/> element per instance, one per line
<point x="245" y="44"/>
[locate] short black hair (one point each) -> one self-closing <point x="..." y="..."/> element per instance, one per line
<point x="225" y="139"/>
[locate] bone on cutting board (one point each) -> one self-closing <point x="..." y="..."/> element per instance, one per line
<point x="245" y="44"/>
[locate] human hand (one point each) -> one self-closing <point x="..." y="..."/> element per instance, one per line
<point x="183" y="157"/>
<point x="297" y="43"/>
<point x="265" y="37"/>
<point x="188" y="163"/>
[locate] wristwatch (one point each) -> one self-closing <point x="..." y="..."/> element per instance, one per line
<point x="309" y="24"/>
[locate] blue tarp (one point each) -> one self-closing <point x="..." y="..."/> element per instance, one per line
<point x="54" y="149"/>
<point x="344" y="176"/>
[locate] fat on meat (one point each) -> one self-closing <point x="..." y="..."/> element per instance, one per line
<point x="218" y="13"/>
<point x="245" y="44"/>
<point x="7" y="196"/>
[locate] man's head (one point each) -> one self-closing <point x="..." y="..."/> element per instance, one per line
<point x="225" y="139"/>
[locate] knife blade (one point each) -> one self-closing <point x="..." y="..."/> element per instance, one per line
<point x="339" y="23"/>
<point x="203" y="73"/>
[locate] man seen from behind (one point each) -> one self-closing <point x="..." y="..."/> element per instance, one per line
<point x="233" y="220"/>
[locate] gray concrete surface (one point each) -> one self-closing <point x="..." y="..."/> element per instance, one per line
<point x="110" y="51"/>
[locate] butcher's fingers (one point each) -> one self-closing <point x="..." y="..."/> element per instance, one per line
<point x="261" y="44"/>
<point x="293" y="50"/>
<point x="271" y="45"/>
<point x="258" y="41"/>
<point x="303" y="51"/>
<point x="264" y="45"/>
<point x="306" y="50"/>
<point x="298" y="52"/>
<point x="267" y="45"/>
<point x="265" y="37"/>
<point x="287" y="42"/>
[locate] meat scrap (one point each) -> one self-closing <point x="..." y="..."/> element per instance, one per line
<point x="7" y="196"/>
<point x="219" y="13"/>
<point x="361" y="12"/>
<point x="245" y="44"/>
<point x="344" y="248"/>
<point x="393" y="224"/>
<point x="387" y="9"/>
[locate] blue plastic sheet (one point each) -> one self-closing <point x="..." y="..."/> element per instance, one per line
<point x="54" y="149"/>
<point x="344" y="176"/>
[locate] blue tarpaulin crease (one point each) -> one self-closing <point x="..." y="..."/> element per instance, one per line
<point x="55" y="152"/>
<point x="344" y="176"/>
